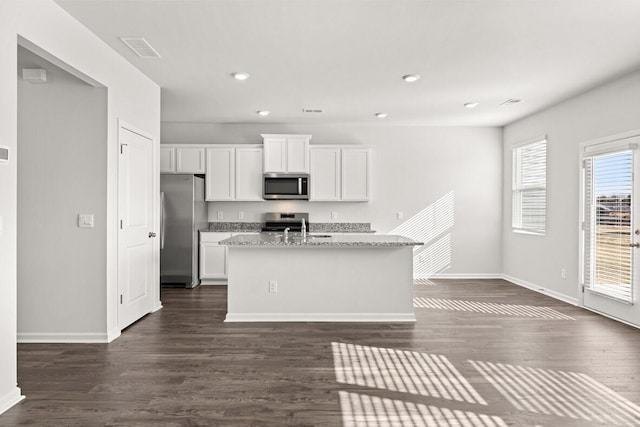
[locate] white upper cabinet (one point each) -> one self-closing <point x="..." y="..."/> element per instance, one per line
<point x="182" y="159"/>
<point x="167" y="159"/>
<point x="340" y="173"/>
<point x="249" y="174"/>
<point x="325" y="174"/>
<point x="286" y="153"/>
<point x="356" y="174"/>
<point x="190" y="160"/>
<point x="234" y="173"/>
<point x="220" y="178"/>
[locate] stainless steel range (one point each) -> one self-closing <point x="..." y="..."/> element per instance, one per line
<point x="277" y="222"/>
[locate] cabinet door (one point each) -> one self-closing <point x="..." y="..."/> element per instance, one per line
<point x="356" y="172"/>
<point x="298" y="154"/>
<point x="220" y="179"/>
<point x="324" y="174"/>
<point x="275" y="154"/>
<point x="213" y="261"/>
<point x="167" y="160"/>
<point x="249" y="174"/>
<point x="190" y="160"/>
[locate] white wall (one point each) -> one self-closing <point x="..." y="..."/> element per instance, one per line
<point x="446" y="181"/>
<point x="131" y="96"/>
<point x="62" y="171"/>
<point x="601" y="112"/>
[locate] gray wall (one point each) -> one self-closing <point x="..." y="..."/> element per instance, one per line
<point x="62" y="171"/>
<point x="446" y="181"/>
<point x="608" y="110"/>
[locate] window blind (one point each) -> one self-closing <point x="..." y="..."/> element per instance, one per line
<point x="529" y="187"/>
<point x="608" y="186"/>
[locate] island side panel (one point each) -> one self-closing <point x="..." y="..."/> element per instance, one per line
<point x="320" y="283"/>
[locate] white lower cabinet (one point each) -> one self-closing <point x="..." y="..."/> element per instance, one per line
<point x="213" y="257"/>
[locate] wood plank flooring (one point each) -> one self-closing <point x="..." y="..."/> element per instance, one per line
<point x="464" y="363"/>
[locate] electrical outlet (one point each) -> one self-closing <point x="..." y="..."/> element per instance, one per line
<point x="220" y="215"/>
<point x="273" y="286"/>
<point x="334" y="215"/>
<point x="240" y="215"/>
<point x="400" y="215"/>
<point x="563" y="273"/>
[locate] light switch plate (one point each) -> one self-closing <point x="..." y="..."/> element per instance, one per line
<point x="85" y="220"/>
<point x="4" y="154"/>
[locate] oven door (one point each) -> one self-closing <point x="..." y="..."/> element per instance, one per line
<point x="286" y="187"/>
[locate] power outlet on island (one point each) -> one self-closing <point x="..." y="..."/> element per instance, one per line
<point x="273" y="286"/>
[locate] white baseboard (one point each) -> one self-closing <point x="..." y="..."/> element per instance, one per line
<point x="157" y="306"/>
<point x="68" y="338"/>
<point x="10" y="399"/>
<point x="113" y="334"/>
<point x="463" y="276"/>
<point x="321" y="317"/>
<point x="540" y="289"/>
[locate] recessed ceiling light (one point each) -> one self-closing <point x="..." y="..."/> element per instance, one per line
<point x="240" y="76"/>
<point x="511" y="101"/>
<point x="471" y="104"/>
<point x="263" y="112"/>
<point x="411" y="78"/>
<point x="381" y="115"/>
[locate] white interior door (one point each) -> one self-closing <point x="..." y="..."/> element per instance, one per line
<point x="611" y="237"/>
<point x="135" y="243"/>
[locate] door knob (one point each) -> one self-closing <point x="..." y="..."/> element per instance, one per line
<point x="152" y="234"/>
<point x="634" y="245"/>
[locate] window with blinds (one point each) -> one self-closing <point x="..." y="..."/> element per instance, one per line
<point x="529" y="187"/>
<point x="608" y="186"/>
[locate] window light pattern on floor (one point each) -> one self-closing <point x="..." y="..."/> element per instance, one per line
<point x="559" y="393"/>
<point x="423" y="282"/>
<point x="363" y="410"/>
<point x="403" y="371"/>
<point x="490" y="308"/>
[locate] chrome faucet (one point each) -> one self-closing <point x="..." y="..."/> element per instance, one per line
<point x="304" y="229"/>
<point x="286" y="233"/>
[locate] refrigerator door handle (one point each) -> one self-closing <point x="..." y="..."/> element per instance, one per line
<point x="162" y="221"/>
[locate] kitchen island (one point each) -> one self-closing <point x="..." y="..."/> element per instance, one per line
<point x="335" y="278"/>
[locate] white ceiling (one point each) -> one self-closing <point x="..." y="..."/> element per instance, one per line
<point x="347" y="57"/>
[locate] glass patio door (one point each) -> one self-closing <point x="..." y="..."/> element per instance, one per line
<point x="610" y="234"/>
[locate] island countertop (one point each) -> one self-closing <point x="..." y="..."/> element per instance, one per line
<point x="314" y="240"/>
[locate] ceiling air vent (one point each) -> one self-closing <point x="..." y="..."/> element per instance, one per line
<point x="311" y="110"/>
<point x="140" y="47"/>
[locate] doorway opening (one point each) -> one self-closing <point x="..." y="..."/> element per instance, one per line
<point x="62" y="204"/>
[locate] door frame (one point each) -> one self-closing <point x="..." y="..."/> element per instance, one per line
<point x="581" y="252"/>
<point x="155" y="291"/>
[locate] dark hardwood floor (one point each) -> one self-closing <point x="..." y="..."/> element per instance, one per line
<point x="477" y="356"/>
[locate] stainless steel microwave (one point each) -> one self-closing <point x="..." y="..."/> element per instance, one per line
<point x="285" y="187"/>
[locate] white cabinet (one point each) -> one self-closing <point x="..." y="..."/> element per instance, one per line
<point x="213" y="256"/>
<point x="356" y="174"/>
<point x="248" y="174"/>
<point x="340" y="173"/>
<point x="182" y="159"/>
<point x="324" y="174"/>
<point x="234" y="173"/>
<point x="220" y="175"/>
<point x="167" y="159"/>
<point x="190" y="160"/>
<point x="286" y="153"/>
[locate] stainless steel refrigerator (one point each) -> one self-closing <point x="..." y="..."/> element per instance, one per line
<point x="184" y="212"/>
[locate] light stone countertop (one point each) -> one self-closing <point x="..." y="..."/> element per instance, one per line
<point x="295" y="239"/>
